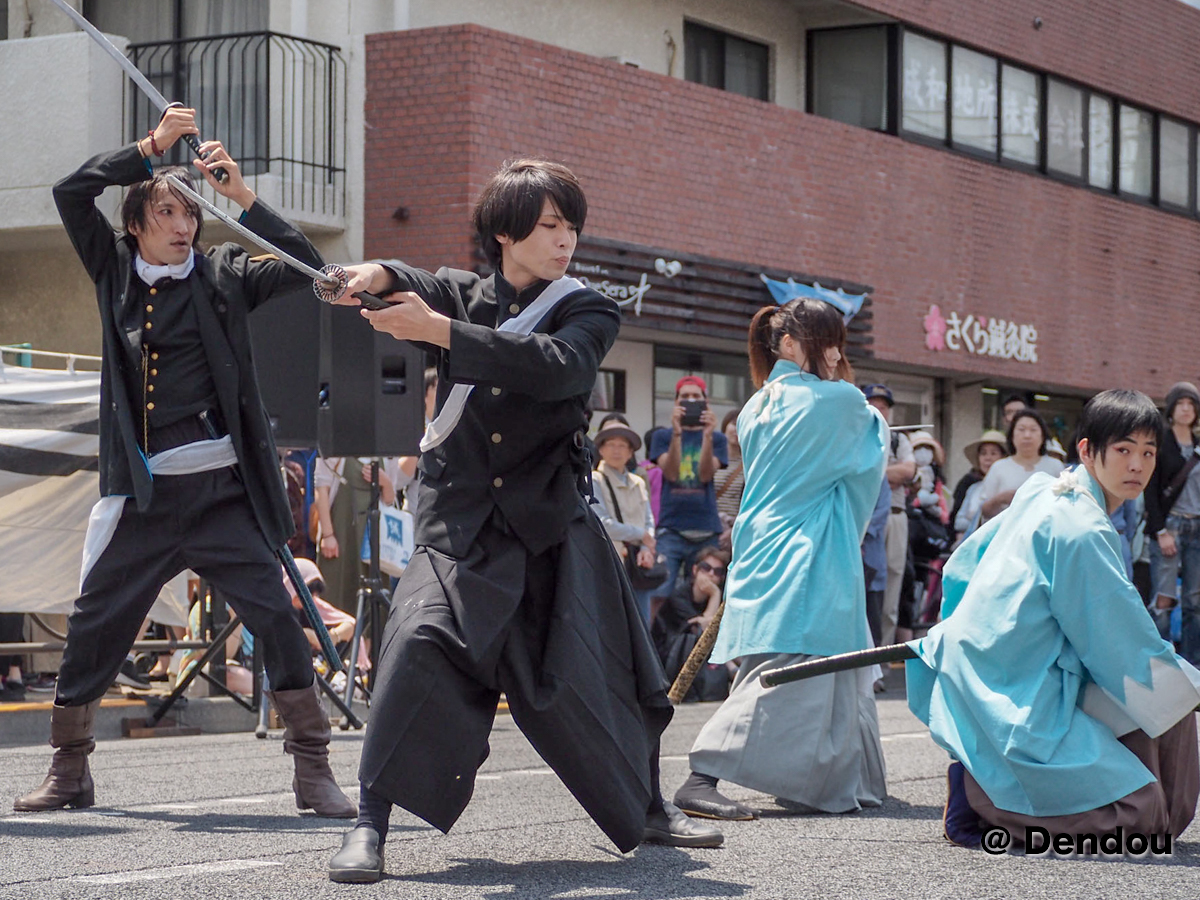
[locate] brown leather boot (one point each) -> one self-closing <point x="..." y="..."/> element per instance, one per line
<point x="69" y="782"/>
<point x="306" y="737"/>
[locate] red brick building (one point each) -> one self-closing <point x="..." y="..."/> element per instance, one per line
<point x="1071" y="284"/>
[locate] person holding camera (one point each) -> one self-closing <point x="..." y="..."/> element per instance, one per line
<point x="689" y="454"/>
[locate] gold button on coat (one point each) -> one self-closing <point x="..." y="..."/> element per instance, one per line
<point x="497" y="482"/>
<point x="514" y="308"/>
<point x="149" y="324"/>
<point x="149" y="308"/>
<point x="154" y="356"/>
<point x="496" y="437"/>
<point x="495" y="392"/>
<point x="149" y="387"/>
<point x="153" y="291"/>
<point x="150" y="406"/>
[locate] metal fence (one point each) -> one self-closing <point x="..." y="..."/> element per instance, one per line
<point x="277" y="102"/>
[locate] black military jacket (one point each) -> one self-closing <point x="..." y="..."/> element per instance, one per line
<point x="519" y="444"/>
<point x="227" y="284"/>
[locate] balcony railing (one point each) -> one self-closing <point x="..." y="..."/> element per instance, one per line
<point x="277" y="102"/>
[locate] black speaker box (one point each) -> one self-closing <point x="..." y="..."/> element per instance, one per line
<point x="372" y="391"/>
<point x="329" y="380"/>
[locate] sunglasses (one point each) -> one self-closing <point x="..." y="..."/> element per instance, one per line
<point x="711" y="569"/>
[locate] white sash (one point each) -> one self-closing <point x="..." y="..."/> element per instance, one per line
<point x="439" y="429"/>
<point x="198" y="456"/>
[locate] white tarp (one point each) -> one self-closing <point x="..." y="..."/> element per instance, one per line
<point x="49" y="425"/>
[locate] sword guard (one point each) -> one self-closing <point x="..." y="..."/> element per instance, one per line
<point x="324" y="292"/>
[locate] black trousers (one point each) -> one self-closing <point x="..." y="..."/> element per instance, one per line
<point x="12" y="631"/>
<point x="203" y="522"/>
<point x="561" y="635"/>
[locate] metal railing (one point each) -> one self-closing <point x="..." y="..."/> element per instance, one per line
<point x="277" y="102"/>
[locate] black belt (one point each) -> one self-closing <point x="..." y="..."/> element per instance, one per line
<point x="187" y="430"/>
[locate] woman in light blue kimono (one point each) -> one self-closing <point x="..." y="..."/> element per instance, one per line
<point x="1046" y="681"/>
<point x="814" y="454"/>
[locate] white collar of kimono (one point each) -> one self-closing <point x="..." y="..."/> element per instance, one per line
<point x="151" y="274"/>
<point x="1078" y="479"/>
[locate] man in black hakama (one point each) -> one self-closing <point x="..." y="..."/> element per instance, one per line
<point x="514" y="586"/>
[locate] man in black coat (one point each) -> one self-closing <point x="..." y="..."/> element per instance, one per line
<point x="514" y="586"/>
<point x="189" y="475"/>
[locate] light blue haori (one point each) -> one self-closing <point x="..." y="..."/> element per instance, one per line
<point x="814" y="453"/>
<point x="1046" y="655"/>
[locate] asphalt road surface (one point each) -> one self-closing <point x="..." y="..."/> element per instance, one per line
<point x="213" y="817"/>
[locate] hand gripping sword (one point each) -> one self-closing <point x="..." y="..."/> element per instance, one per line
<point x="329" y="283"/>
<point x="151" y="92"/>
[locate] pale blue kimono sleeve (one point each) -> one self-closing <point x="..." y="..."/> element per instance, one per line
<point x="1103" y="619"/>
<point x="865" y="436"/>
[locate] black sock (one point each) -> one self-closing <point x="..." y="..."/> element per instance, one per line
<point x="697" y="781"/>
<point x="374" y="810"/>
<point x="656" y="797"/>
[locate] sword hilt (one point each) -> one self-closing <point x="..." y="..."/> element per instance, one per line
<point x="192" y="141"/>
<point x="337" y="278"/>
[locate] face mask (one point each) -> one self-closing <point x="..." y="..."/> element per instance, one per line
<point x="923" y="456"/>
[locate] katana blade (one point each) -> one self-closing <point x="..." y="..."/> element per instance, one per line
<point x="152" y="93"/>
<point x="315" y="274"/>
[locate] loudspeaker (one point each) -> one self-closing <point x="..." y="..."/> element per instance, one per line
<point x="285" y="336"/>
<point x="372" y="391"/>
<point x="329" y="380"/>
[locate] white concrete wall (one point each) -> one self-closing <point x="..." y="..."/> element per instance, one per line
<point x="636" y="359"/>
<point x="61" y="104"/>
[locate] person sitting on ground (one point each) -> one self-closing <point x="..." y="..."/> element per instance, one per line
<point x="685" y="614"/>
<point x="1046" y="681"/>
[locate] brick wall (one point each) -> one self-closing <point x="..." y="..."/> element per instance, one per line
<point x="1144" y="50"/>
<point x="672" y="164"/>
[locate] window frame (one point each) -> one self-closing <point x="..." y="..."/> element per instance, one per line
<point x="889" y="94"/>
<point x="769" y="81"/>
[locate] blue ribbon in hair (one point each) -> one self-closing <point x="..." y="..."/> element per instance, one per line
<point x="785" y="291"/>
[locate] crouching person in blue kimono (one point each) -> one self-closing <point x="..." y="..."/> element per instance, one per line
<point x="1047" y="682"/>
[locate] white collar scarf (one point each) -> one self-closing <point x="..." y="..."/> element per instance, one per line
<point x="151" y="274"/>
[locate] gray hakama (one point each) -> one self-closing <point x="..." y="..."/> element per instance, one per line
<point x="813" y="742"/>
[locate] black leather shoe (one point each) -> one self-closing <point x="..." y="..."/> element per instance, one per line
<point x="672" y="827"/>
<point x="699" y="797"/>
<point x="360" y="861"/>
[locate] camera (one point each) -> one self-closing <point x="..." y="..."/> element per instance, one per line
<point x="691" y="412"/>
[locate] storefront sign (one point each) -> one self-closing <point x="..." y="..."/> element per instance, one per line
<point x="980" y="335"/>
<point x="622" y="293"/>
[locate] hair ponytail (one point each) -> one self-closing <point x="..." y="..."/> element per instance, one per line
<point x="762" y="354"/>
<point x="813" y="324"/>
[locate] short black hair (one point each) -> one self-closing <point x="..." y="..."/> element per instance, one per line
<point x="1115" y="415"/>
<point x="1014" y="398"/>
<point x="613" y="417"/>
<point x="511" y="202"/>
<point x="1027" y="413"/>
<point x="316" y="587"/>
<point x="142" y="194"/>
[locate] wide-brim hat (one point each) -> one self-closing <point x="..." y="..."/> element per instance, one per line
<point x="617" y="430"/>
<point x="991" y="436"/>
<point x="925" y="439"/>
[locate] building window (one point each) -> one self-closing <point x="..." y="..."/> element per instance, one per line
<point x="1174" y="162"/>
<point x="1064" y="128"/>
<point x="973" y="100"/>
<point x="1136" y="152"/>
<point x="1100" y="142"/>
<point x="848" y="75"/>
<point x="924" y="106"/>
<point x="724" y="61"/>
<point x="3" y="20"/>
<point x="1020" y="115"/>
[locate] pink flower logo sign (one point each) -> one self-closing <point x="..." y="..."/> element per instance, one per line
<point x="980" y="335"/>
<point x="935" y="329"/>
